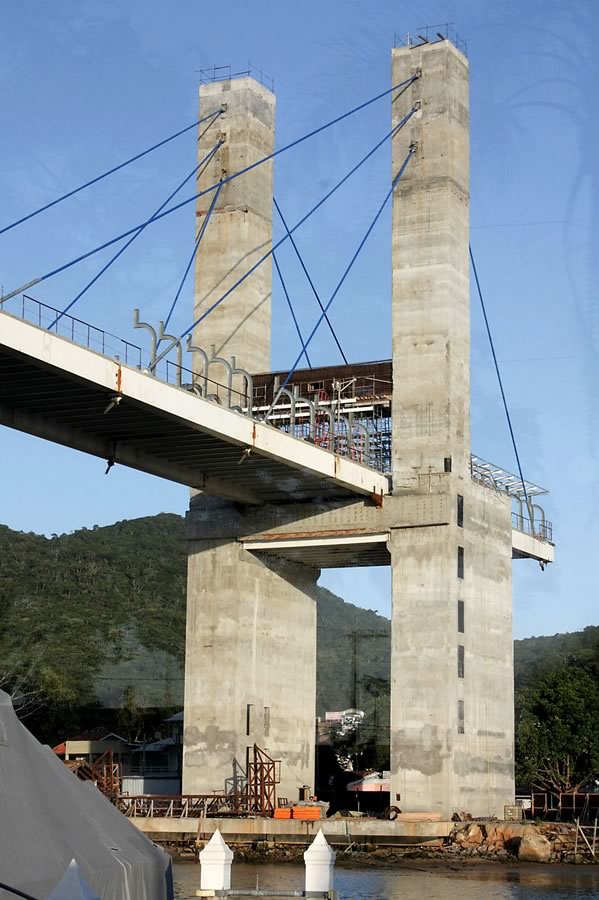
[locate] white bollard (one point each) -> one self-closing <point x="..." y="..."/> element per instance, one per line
<point x="320" y="866"/>
<point x="215" y="862"/>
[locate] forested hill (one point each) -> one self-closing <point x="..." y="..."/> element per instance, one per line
<point x="535" y="657"/>
<point x="98" y="617"/>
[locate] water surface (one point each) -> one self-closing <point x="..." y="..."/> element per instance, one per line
<point x="452" y="882"/>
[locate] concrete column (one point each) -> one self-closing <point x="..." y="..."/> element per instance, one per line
<point x="250" y="673"/>
<point x="431" y="305"/>
<point x="251" y="625"/>
<point x="240" y="227"/>
<point x="451" y="666"/>
<point x="452" y="729"/>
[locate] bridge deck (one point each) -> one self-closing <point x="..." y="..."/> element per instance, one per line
<point x="60" y="391"/>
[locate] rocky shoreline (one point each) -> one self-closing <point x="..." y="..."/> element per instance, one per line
<point x="492" y="841"/>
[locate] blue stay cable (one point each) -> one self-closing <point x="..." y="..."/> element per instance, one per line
<point x="172" y="209"/>
<point x="275" y="246"/>
<point x="310" y="282"/>
<point x="500" y="380"/>
<point x="113" y="259"/>
<point x="342" y="279"/>
<point x="192" y="257"/>
<point x="122" y="165"/>
<point x="291" y="309"/>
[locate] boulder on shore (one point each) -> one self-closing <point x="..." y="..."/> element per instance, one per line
<point x="534" y="847"/>
<point x="505" y="835"/>
<point x="471" y="836"/>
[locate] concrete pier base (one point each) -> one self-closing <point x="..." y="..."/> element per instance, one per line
<point x="250" y="672"/>
<point x="452" y="730"/>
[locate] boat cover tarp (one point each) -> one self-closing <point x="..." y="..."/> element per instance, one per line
<point x="73" y="886"/>
<point x="49" y="817"/>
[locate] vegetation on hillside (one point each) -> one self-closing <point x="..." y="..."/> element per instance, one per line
<point x="92" y="632"/>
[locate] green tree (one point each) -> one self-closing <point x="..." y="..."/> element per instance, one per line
<point x="557" y="728"/>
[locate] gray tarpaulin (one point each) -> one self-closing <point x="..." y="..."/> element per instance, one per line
<point x="73" y="886"/>
<point x="49" y="817"/>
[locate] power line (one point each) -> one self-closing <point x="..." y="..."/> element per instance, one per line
<point x="122" y="165"/>
<point x="293" y="316"/>
<point x="203" y="162"/>
<point x="499" y="379"/>
<point x="344" y="276"/>
<point x="208" y="190"/>
<point x="310" y="282"/>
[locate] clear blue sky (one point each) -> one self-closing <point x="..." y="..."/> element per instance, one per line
<point x="85" y="85"/>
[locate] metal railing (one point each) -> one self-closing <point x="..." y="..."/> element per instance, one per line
<point x="304" y="419"/>
<point x="192" y="806"/>
<point x="73" y="329"/>
<point x="227" y="73"/>
<point x="139" y="769"/>
<point x="542" y="530"/>
<point x="431" y="34"/>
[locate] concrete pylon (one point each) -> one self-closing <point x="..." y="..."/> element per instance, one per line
<point x="239" y="232"/>
<point x="250" y="673"/>
<point x="452" y="670"/>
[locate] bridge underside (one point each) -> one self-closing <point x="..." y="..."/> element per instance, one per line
<point x="57" y="390"/>
<point x="326" y="551"/>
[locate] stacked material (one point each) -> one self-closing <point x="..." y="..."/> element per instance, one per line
<point x="303" y="813"/>
<point x="283" y="812"/>
<point x="306" y="813"/>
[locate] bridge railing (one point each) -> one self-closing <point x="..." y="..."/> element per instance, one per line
<point x="44" y="316"/>
<point x="93" y="338"/>
<point x="366" y="441"/>
<point x="540" y="529"/>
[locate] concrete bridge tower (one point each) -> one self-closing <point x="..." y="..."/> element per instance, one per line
<point x="251" y="622"/>
<point x="452" y="671"/>
<point x="253" y="569"/>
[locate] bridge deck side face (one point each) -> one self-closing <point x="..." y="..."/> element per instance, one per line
<point x="61" y="391"/>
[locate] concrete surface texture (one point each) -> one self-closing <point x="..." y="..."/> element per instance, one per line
<point x="431" y="303"/>
<point x="343" y="831"/>
<point x="250" y="672"/>
<point x="240" y="228"/>
<point x="451" y="671"/>
<point x="251" y="615"/>
<point x="251" y="622"/>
